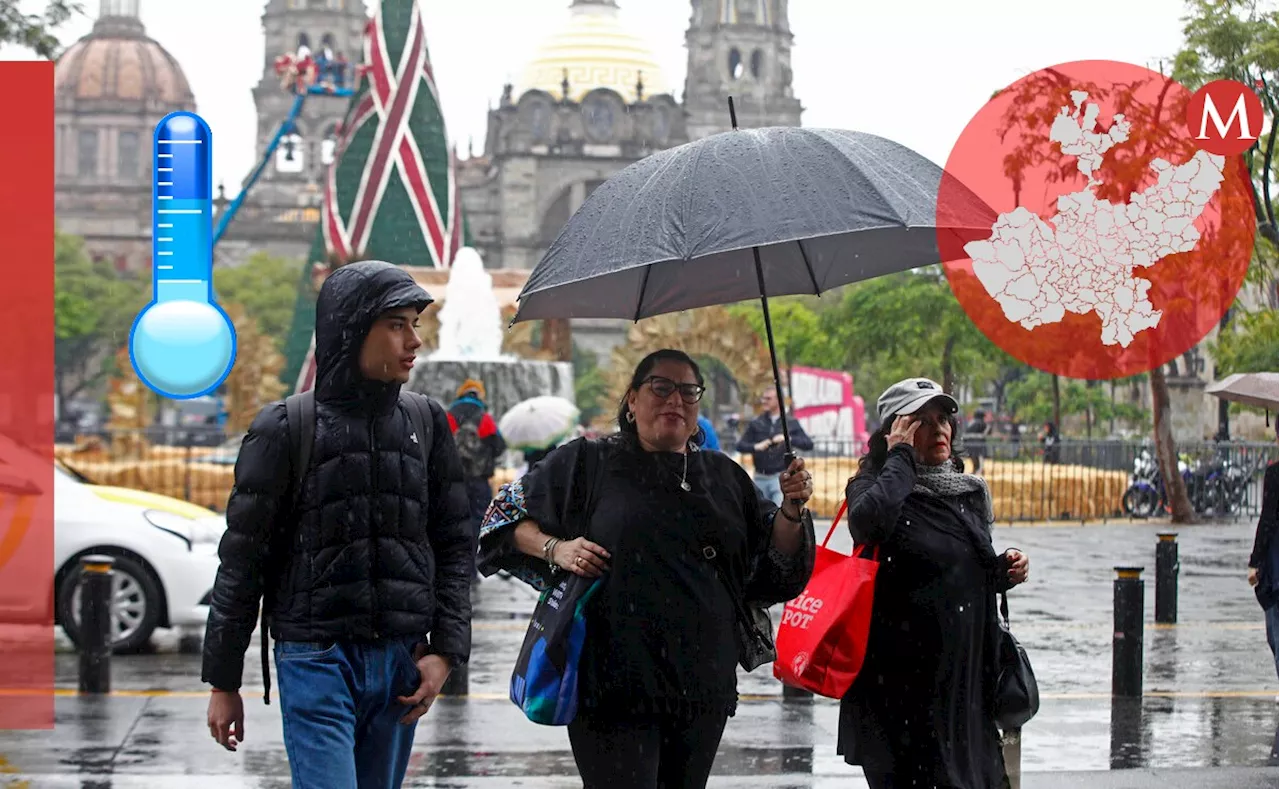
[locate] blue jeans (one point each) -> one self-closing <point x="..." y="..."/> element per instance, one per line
<point x="341" y="718"/>
<point x="1273" y="626"/>
<point x="770" y="487"/>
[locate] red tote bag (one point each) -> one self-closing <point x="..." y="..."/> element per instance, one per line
<point x="822" y="640"/>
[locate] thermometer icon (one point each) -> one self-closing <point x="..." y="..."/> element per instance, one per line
<point x="182" y="344"/>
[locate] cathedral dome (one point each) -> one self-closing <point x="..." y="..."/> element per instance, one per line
<point x="118" y="62"/>
<point x="598" y="52"/>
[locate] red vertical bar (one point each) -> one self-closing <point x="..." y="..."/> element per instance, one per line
<point x="26" y="398"/>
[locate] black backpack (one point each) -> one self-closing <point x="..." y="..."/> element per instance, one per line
<point x="300" y="412"/>
<point x="477" y="460"/>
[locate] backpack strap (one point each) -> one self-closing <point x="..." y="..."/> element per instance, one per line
<point x="300" y="413"/>
<point x="419" y="407"/>
<point x="300" y="409"/>
<point x="576" y="520"/>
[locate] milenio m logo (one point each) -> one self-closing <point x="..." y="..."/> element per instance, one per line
<point x="1225" y="117"/>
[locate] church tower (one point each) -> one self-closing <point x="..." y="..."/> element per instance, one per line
<point x="294" y="177"/>
<point x="739" y="48"/>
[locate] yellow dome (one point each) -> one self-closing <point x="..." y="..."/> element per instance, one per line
<point x="598" y="53"/>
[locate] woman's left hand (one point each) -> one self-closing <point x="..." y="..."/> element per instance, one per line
<point x="797" y="485"/>
<point x="1019" y="566"/>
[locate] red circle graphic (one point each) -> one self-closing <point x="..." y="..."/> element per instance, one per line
<point x="1225" y="117"/>
<point x="1116" y="244"/>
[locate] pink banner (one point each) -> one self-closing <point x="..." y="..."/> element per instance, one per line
<point x="824" y="402"/>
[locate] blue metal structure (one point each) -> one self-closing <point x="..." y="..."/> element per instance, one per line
<point x="224" y="219"/>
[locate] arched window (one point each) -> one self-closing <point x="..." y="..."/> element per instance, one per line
<point x="304" y="45"/>
<point x="329" y="145"/>
<point x="757" y="64"/>
<point x="735" y="64"/>
<point x="291" y="155"/>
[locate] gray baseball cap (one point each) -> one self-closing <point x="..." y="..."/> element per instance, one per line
<point x="909" y="396"/>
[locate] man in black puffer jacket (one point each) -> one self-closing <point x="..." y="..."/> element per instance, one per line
<point x="365" y="580"/>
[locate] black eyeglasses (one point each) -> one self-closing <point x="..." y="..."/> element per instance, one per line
<point x="663" y="387"/>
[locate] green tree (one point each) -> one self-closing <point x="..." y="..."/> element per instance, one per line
<point x="589" y="385"/>
<point x="1250" y="344"/>
<point x="36" y="31"/>
<point x="798" y="331"/>
<point x="267" y="288"/>
<point x="94" y="307"/>
<point x="1233" y="39"/>
<point x="909" y="324"/>
<point x="1030" y="398"/>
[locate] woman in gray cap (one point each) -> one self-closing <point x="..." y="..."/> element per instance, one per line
<point x="918" y="714"/>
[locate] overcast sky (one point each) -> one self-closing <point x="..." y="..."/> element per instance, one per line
<point x="914" y="72"/>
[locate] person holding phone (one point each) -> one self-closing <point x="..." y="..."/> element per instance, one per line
<point x="919" y="713"/>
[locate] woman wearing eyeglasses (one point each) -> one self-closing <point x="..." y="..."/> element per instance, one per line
<point x="658" y="676"/>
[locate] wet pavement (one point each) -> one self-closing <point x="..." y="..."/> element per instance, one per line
<point x="1208" y="719"/>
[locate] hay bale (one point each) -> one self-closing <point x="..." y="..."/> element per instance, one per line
<point x="1021" y="491"/>
<point x="1039" y="491"/>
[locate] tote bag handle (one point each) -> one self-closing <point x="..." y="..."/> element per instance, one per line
<point x="844" y="504"/>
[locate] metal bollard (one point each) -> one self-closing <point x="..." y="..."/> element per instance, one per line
<point x="97" y="582"/>
<point x="1126" y="643"/>
<point x="1167" y="579"/>
<point x="790" y="693"/>
<point x="458" y="683"/>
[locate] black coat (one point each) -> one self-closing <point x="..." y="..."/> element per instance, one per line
<point x="920" y="706"/>
<point x="1264" y="555"/>
<point x="378" y="546"/>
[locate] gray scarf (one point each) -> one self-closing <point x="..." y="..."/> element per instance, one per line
<point x="945" y="481"/>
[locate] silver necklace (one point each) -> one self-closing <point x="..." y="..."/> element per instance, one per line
<point x="684" y="481"/>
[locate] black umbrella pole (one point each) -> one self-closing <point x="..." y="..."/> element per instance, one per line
<point x="773" y="356"/>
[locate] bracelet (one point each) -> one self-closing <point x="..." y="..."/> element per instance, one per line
<point x="548" y="548"/>
<point x="784" y="514"/>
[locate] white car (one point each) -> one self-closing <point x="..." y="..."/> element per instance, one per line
<point x="165" y="553"/>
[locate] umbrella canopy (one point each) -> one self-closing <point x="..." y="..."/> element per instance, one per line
<point x="680" y="229"/>
<point x="538" y="423"/>
<point x="1256" y="389"/>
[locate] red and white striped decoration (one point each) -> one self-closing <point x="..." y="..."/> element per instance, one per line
<point x="391" y="95"/>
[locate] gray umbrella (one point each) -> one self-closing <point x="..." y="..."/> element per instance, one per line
<point x="1261" y="390"/>
<point x="677" y="230"/>
<point x="747" y="214"/>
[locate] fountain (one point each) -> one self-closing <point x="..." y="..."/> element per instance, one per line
<point x="470" y="346"/>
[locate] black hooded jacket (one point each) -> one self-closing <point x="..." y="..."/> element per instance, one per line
<point x="378" y="546"/>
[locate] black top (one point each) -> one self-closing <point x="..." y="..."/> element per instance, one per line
<point x="920" y="707"/>
<point x="660" y="632"/>
<point x="772" y="460"/>
<point x="1264" y="556"/>
<point x="378" y="546"/>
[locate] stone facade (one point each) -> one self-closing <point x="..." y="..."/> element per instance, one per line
<point x="547" y="145"/>
<point x="739" y="48"/>
<point x="282" y="209"/>
<point x="111" y="88"/>
<point x="547" y="149"/>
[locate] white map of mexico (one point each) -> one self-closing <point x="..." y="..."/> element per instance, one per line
<point x="1037" y="273"/>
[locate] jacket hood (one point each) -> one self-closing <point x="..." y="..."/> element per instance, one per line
<point x="350" y="300"/>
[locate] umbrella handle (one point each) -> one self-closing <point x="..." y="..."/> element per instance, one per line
<point x="790" y="458"/>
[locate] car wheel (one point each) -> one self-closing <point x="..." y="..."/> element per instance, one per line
<point x="135" y="608"/>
